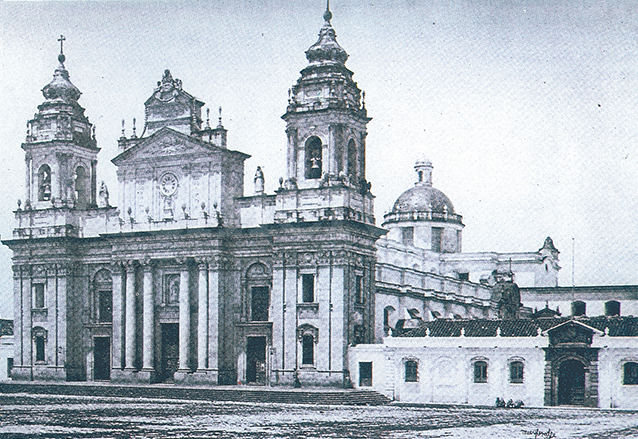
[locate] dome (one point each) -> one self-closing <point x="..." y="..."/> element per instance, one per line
<point x="326" y="49"/>
<point x="423" y="199"/>
<point x="61" y="87"/>
<point x="423" y="202"/>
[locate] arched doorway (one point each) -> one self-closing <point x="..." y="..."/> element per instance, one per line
<point x="571" y="383"/>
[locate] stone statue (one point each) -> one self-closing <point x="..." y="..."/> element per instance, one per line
<point x="506" y="295"/>
<point x="259" y="181"/>
<point x="104" y="195"/>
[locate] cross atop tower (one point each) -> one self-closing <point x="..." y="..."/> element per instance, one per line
<point x="61" y="56"/>
<point x="61" y="40"/>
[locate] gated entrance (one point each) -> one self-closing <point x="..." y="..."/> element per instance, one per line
<point x="571" y="383"/>
<point x="101" y="358"/>
<point x="170" y="351"/>
<point x="256" y="360"/>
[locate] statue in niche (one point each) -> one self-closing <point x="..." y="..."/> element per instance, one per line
<point x="168" y="208"/>
<point x="172" y="293"/>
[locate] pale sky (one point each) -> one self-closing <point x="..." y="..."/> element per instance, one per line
<point x="527" y="109"/>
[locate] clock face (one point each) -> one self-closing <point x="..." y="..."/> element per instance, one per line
<point x="168" y="184"/>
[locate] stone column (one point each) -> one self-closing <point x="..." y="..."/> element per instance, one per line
<point x="202" y="318"/>
<point x="213" y="319"/>
<point x="184" y="317"/>
<point x="116" y="275"/>
<point x="148" y="320"/>
<point x="129" y="350"/>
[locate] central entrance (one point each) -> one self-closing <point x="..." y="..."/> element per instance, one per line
<point x="101" y="358"/>
<point x="170" y="351"/>
<point x="571" y="383"/>
<point x="256" y="360"/>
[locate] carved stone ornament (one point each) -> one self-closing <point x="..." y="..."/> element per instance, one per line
<point x="257" y="271"/>
<point x="39" y="331"/>
<point x="569" y="334"/>
<point x="168" y="87"/>
<point x="307" y="329"/>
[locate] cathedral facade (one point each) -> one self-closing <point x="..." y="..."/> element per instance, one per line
<point x="190" y="280"/>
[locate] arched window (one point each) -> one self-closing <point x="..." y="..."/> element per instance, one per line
<point x="308" y="335"/>
<point x="308" y="350"/>
<point x="516" y="372"/>
<point x="612" y="308"/>
<point x="313" y="158"/>
<point x="81" y="186"/>
<point x="630" y="374"/>
<point x="352" y="159"/>
<point x="480" y="371"/>
<point x="388" y="312"/>
<point x="103" y="287"/>
<point x="39" y="335"/>
<point x="411" y="371"/>
<point x="579" y="308"/>
<point x="44" y="183"/>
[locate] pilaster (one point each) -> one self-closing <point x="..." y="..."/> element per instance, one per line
<point x="147" y="373"/>
<point x="129" y="349"/>
<point x="184" y="319"/>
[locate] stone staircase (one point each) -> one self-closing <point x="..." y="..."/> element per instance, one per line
<point x="278" y="395"/>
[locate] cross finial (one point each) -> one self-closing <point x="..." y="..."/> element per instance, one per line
<point x="61" y="56"/>
<point x="61" y="40"/>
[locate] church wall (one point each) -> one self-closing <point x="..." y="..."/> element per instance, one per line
<point x="256" y="210"/>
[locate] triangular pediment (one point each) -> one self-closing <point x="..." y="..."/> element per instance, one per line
<point x="571" y="332"/>
<point x="166" y="143"/>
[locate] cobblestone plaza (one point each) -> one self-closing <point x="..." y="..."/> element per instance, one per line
<point x="29" y="416"/>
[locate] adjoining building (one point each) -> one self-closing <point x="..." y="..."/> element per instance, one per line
<point x="6" y="349"/>
<point x="589" y="361"/>
<point x="191" y="280"/>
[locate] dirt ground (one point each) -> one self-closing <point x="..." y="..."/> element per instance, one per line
<point x="31" y="416"/>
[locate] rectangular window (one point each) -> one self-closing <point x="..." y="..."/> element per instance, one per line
<point x="308" y="350"/>
<point x="260" y="302"/>
<point x="38" y="296"/>
<point x="437" y="236"/>
<point x="612" y="308"/>
<point x="516" y="372"/>
<point x="308" y="287"/>
<point x="408" y="235"/>
<point x="39" y="348"/>
<point x="464" y="276"/>
<point x="358" y="289"/>
<point x="480" y="372"/>
<point x="579" y="308"/>
<point x="9" y="366"/>
<point x="365" y="374"/>
<point x="105" y="307"/>
<point x="411" y="371"/>
<point x="630" y="374"/>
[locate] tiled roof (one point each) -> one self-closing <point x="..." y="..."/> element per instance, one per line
<point x="6" y="327"/>
<point x="618" y="327"/>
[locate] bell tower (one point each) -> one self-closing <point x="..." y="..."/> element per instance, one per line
<point x="60" y="148"/>
<point x="326" y="123"/>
